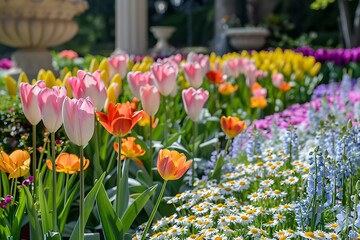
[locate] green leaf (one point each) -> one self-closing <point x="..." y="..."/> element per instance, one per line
<point x="209" y="142"/>
<point x="16" y="225"/>
<point x="89" y="204"/>
<point x="35" y="229"/>
<point x="52" y="236"/>
<point x="111" y="225"/>
<point x="65" y="212"/>
<point x="44" y="209"/>
<point x="124" y="189"/>
<point x="4" y="227"/>
<point x="217" y="170"/>
<point x="5" y="183"/>
<point x="135" y="208"/>
<point x="59" y="187"/>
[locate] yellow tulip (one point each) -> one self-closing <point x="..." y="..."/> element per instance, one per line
<point x="287" y="70"/>
<point x="75" y="70"/>
<point x="105" y="76"/>
<point x="94" y="65"/>
<point x="130" y="64"/>
<point x="315" y="69"/>
<point x="104" y="65"/>
<point x="244" y="54"/>
<point x="23" y="78"/>
<point x="299" y="75"/>
<point x="117" y="79"/>
<point x="113" y="93"/>
<point x="50" y="79"/>
<point x="136" y="67"/>
<point x="41" y="74"/>
<point x="67" y="85"/>
<point x="63" y="72"/>
<point x="309" y="63"/>
<point x="10" y="85"/>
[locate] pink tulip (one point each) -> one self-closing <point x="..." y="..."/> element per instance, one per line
<point x="138" y="79"/>
<point x="243" y="63"/>
<point x="78" y="119"/>
<point x="260" y="92"/>
<point x="118" y="64"/>
<point x="277" y="79"/>
<point x="29" y="101"/>
<point x="232" y="68"/>
<point x="202" y="59"/>
<point x="89" y="85"/>
<point x="150" y="99"/>
<point x="165" y="74"/>
<point x="193" y="73"/>
<point x="250" y="73"/>
<point x="50" y="104"/>
<point x="175" y="58"/>
<point x="194" y="101"/>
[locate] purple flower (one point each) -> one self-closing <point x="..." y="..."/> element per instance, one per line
<point x="6" y="63"/>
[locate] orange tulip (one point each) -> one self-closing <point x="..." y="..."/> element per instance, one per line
<point x="227" y="88"/>
<point x="285" y="86"/>
<point x="232" y="126"/>
<point x="255" y="86"/>
<point x="67" y="163"/>
<point x="120" y="118"/>
<point x="17" y="164"/>
<point x="214" y="77"/>
<point x="129" y="149"/>
<point x="172" y="165"/>
<point x="258" y="102"/>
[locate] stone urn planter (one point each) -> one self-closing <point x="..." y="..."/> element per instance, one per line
<point x="248" y="38"/>
<point x="162" y="34"/>
<point x="34" y="25"/>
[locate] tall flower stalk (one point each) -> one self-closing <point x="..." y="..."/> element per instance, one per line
<point x="150" y="100"/>
<point x="194" y="101"/>
<point x="118" y="180"/>
<point x="171" y="165"/>
<point x="78" y="118"/>
<point x="119" y="120"/>
<point x="82" y="195"/>
<point x="54" y="213"/>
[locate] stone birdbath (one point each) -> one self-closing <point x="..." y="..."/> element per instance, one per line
<point x="32" y="26"/>
<point x="247" y="38"/>
<point x="162" y="34"/>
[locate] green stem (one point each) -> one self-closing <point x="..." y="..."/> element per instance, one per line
<point x="118" y="180"/>
<point x="194" y="154"/>
<point x="97" y="166"/>
<point x="82" y="195"/>
<point x="150" y="148"/>
<point x="66" y="188"/>
<point x="165" y="121"/>
<point x="54" y="213"/>
<point x="154" y="210"/>
<point x="34" y="158"/>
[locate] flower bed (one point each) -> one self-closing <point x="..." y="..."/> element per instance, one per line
<point x="168" y="115"/>
<point x="299" y="181"/>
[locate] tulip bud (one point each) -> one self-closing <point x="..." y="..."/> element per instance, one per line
<point x="78" y="119"/>
<point x="194" y="101"/>
<point x="172" y="165"/>
<point x="29" y="101"/>
<point x="150" y="99"/>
